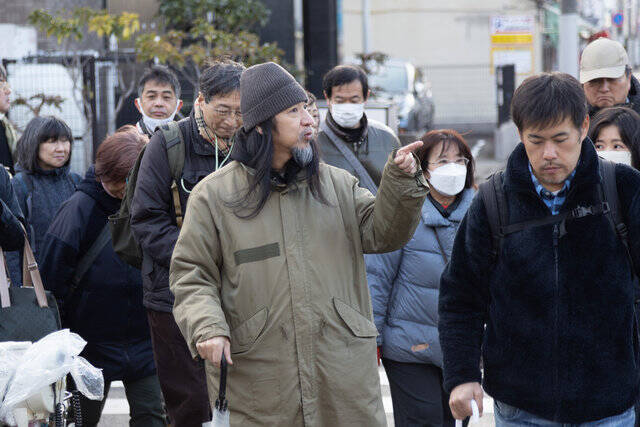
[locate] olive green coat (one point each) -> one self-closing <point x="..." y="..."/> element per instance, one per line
<point x="289" y="289"/>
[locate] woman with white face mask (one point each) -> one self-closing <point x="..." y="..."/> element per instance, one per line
<point x="405" y="285"/>
<point x="615" y="132"/>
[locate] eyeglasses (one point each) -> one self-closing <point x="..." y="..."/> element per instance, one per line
<point x="5" y="86"/>
<point x="462" y="161"/>
<point x="227" y="113"/>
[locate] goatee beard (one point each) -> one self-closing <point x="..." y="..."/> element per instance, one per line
<point x="302" y="155"/>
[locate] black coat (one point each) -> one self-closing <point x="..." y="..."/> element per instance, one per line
<point x="153" y="219"/>
<point x="106" y="310"/>
<point x="11" y="234"/>
<point x="561" y="336"/>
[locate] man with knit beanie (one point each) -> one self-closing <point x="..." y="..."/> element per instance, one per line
<point x="268" y="271"/>
<point x="159" y="199"/>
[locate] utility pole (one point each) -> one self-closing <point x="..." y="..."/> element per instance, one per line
<point x="366" y="34"/>
<point x="298" y="37"/>
<point x="568" y="50"/>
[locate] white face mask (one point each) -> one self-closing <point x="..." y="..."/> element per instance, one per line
<point x="448" y="179"/>
<point x="152" y="123"/>
<point x="616" y="156"/>
<point x="347" y="115"/>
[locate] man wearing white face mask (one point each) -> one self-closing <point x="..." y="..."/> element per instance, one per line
<point x="158" y="98"/>
<point x="347" y="138"/>
<point x="614" y="131"/>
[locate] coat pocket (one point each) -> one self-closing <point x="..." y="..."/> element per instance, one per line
<point x="244" y="335"/>
<point x="359" y="325"/>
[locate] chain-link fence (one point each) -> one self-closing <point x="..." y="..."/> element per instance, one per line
<point x="79" y="91"/>
<point x="463" y="94"/>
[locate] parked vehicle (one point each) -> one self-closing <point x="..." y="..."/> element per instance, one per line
<point x="404" y="84"/>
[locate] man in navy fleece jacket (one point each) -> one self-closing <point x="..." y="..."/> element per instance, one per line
<point x="560" y="343"/>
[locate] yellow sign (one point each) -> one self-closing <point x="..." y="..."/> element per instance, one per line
<point x="511" y="38"/>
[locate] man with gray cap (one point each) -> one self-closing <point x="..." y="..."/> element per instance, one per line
<point x="268" y="271"/>
<point x="605" y="75"/>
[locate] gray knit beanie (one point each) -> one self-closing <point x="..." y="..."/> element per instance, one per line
<point x="266" y="90"/>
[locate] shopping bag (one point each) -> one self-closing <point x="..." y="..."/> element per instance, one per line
<point x="27" y="313"/>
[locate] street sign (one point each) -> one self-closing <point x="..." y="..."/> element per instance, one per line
<point x="618" y="19"/>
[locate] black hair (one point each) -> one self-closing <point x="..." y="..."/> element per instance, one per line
<point x="447" y="136"/>
<point x="255" y="150"/>
<point x="546" y="99"/>
<point x="37" y="131"/>
<point x="220" y="78"/>
<point x="628" y="123"/>
<point x="311" y="98"/>
<point x="342" y="75"/>
<point x="160" y="74"/>
<point x="3" y="73"/>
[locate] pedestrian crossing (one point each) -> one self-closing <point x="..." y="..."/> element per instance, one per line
<point x="116" y="408"/>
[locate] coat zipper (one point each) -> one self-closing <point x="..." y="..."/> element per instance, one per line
<point x="556" y="369"/>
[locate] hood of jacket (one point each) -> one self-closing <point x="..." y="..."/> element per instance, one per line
<point x="93" y="188"/>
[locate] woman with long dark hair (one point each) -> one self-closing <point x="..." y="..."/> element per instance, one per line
<point x="405" y="285"/>
<point x="42" y="181"/>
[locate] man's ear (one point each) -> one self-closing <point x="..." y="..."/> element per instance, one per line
<point x="324" y="92"/>
<point x="259" y="129"/>
<point x="584" y="129"/>
<point x="200" y="98"/>
<point x="136" y="102"/>
<point x="367" y="94"/>
<point x="179" y="105"/>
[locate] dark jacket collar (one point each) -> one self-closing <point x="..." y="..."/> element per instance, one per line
<point x="64" y="170"/>
<point x="518" y="178"/>
<point x="93" y="188"/>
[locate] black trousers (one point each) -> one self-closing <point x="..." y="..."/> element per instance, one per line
<point x="182" y="379"/>
<point x="145" y="404"/>
<point x="417" y="395"/>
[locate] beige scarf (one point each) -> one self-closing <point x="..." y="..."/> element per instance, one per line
<point x="206" y="132"/>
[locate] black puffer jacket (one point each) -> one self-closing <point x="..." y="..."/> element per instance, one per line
<point x="561" y="339"/>
<point x="373" y="149"/>
<point x="11" y="236"/>
<point x="107" y="308"/>
<point x="153" y="219"/>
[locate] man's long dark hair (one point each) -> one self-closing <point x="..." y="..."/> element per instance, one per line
<point x="255" y="150"/>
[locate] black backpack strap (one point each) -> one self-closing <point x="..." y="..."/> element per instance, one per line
<point x="494" y="200"/>
<point x="609" y="194"/>
<point x="89" y="258"/>
<point x="174" y="141"/>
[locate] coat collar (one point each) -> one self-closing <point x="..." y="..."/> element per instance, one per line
<point x="518" y="178"/>
<point x="432" y="218"/>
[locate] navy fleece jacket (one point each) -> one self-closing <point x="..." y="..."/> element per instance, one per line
<point x="561" y="334"/>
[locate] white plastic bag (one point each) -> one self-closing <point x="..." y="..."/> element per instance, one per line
<point x="88" y="378"/>
<point x="10" y="354"/>
<point x="44" y="363"/>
